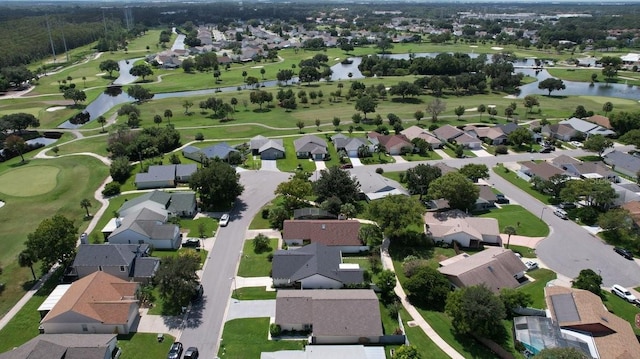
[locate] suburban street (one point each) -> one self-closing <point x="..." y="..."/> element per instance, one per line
<point x="568" y="249"/>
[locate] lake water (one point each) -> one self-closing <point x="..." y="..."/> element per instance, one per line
<point x="105" y="102"/>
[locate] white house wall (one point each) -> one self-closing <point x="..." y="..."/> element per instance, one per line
<point x="463" y="238"/>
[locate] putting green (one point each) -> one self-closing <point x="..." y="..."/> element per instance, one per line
<point x="29" y="181"/>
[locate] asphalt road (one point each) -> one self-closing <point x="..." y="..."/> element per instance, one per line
<point x="205" y="322"/>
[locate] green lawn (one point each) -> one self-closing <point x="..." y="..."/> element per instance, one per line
<point x="209" y="228"/>
<point x="77" y="178"/>
<point x="525" y="223"/>
<point x="536" y="289"/>
<point x="426" y="347"/>
<point x="263" y="223"/>
<point x="429" y="156"/>
<point x="255" y="264"/>
<point x="247" y="338"/>
<point x="144" y="345"/>
<point x="253" y="293"/>
<point x="622" y="308"/>
<point x="520" y="183"/>
<point x="525" y="252"/>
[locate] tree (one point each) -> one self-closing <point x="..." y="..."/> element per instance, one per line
<point x="386" y="282"/>
<point x="54" y="241"/>
<point x="348" y="210"/>
<point x="187" y="104"/>
<point x="141" y="70"/>
<point x="615" y="220"/>
<point x="607" y="107"/>
<point x="157" y="119"/>
<point x="420" y="177"/>
<point x="370" y="234"/>
<point x="86" y="204"/>
<point x="407" y="352"/>
<point x="395" y="213"/>
<point x="428" y="288"/>
<point x="509" y="231"/>
<point x="474" y="172"/>
<point x="309" y="74"/>
<point x="459" y="111"/>
<point x="27" y="258"/>
<point x="260" y="97"/>
<point x="561" y="353"/>
<point x="530" y="101"/>
<point x="334" y="181"/>
<point x="384" y="44"/>
<point x="598" y="144"/>
<point x="188" y="65"/>
<point x="139" y="93"/>
<point x="436" y="107"/>
<point x="168" y="114"/>
<point x="102" y="121"/>
<point x="294" y="192"/>
<point x="551" y="84"/>
<point x="110" y="66"/>
<point x="17" y="122"/>
<point x="520" y="135"/>
<point x="284" y="75"/>
<point x="120" y="169"/>
<point x="261" y="243"/>
<point x="513" y="299"/>
<point x="580" y="112"/>
<point x="481" y="109"/>
<point x="17" y="144"/>
<point x="177" y="280"/>
<point x="366" y="104"/>
<point x="418" y="115"/>
<point x="277" y="216"/>
<point x="457" y="189"/>
<point x="217" y="184"/>
<point x="588" y="280"/>
<point x="476" y="310"/>
<point x="404" y="89"/>
<point x="75" y="95"/>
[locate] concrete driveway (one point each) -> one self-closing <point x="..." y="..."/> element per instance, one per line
<point x="251" y="309"/>
<point x="481" y="153"/>
<point x="399" y="159"/>
<point x="355" y="161"/>
<point x="269" y="165"/>
<point x="320" y="165"/>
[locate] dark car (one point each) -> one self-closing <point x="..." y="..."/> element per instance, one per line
<point x="191" y="242"/>
<point x="623" y="252"/>
<point x="191" y="353"/>
<point x="347" y="165"/>
<point x="545" y="150"/>
<point x="175" y="351"/>
<point x="501" y="199"/>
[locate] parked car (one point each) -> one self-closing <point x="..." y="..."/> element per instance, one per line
<point x="531" y="265"/>
<point x="561" y="213"/>
<point x="623" y="293"/>
<point x="191" y="353"/>
<point x="197" y="295"/>
<point x="567" y="205"/>
<point x="501" y="199"/>
<point x="175" y="351"/>
<point x="224" y="220"/>
<point x="191" y="242"/>
<point x="346" y="165"/>
<point x="623" y="252"/>
<point x="545" y="150"/>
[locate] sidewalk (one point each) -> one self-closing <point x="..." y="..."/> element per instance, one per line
<point x="387" y="263"/>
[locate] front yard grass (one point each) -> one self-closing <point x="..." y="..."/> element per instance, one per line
<point x="263" y="223"/>
<point x="622" y="308"/>
<point x="144" y="345"/>
<point x="247" y="338"/>
<point x="429" y="156"/>
<point x="253" y="293"/>
<point x="536" y="289"/>
<point x="510" y="176"/>
<point x="525" y="223"/>
<point x="210" y="226"/>
<point x="525" y="252"/>
<point x="255" y="264"/>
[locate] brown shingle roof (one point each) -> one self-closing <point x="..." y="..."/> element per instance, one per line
<point x="613" y="336"/>
<point x="327" y="232"/>
<point x="600" y="120"/>
<point x="543" y="169"/>
<point x="634" y="210"/>
<point x="99" y="296"/>
<point x="332" y="312"/>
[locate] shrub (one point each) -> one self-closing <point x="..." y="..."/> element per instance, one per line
<point x="379" y="170"/>
<point x="111" y="189"/>
<point x="265" y="213"/>
<point x="275" y="330"/>
<point x="587" y="215"/>
<point x="199" y="136"/>
<point x="433" y="127"/>
<point x="261" y="244"/>
<point x="270" y="257"/>
<point x="409" y="268"/>
<point x="502" y="150"/>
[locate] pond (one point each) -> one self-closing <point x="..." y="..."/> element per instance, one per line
<point x="341" y="71"/>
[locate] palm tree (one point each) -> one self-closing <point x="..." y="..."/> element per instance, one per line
<point x="102" y="121"/>
<point x="607" y="107"/>
<point x="380" y="149"/>
<point x="27" y="258"/>
<point x="262" y="72"/>
<point x="157" y="119"/>
<point x="509" y="230"/>
<point x="85" y="203"/>
<point x="168" y="114"/>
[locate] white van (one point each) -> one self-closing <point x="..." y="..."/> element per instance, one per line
<point x="560" y="213"/>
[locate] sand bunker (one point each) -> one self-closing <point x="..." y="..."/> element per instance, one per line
<point x="1" y="204"/>
<point x="56" y="108"/>
<point x="101" y="74"/>
<point x="474" y="46"/>
<point x="497" y="48"/>
<point x="257" y="67"/>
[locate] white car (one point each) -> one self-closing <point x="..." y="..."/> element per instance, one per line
<point x="224" y="220"/>
<point x="531" y="265"/>
<point x="623" y="293"/>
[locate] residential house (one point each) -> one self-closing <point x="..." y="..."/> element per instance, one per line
<point x="341" y="234"/>
<point x="266" y="148"/>
<point x="543" y="170"/>
<point x="467" y="141"/>
<point x="623" y="162"/>
<point x="537" y="333"/>
<point x="486" y="197"/>
<point x="445" y="168"/>
<point x="179" y="203"/>
<point x="393" y="144"/>
<point x="351" y="145"/>
<point x="493" y="135"/>
<point x="563" y="132"/>
<point x="375" y="186"/>
<point x="165" y="176"/>
<point x="314" y="266"/>
<point x="587" y="128"/>
<point x="328" y="351"/>
<point x="347" y="316"/>
<point x="96" y="304"/>
<point x="564" y="160"/>
<point x="447" y="133"/>
<point x="593" y="170"/>
<point x="633" y="208"/>
<point x="311" y="146"/>
<point x="581" y="314"/>
<point x="221" y="151"/>
<point x="495" y="267"/>
<point x="66" y="346"/>
<point x="457" y="226"/>
<point x="312" y="213"/>
<point x="146" y="226"/>
<point x="600" y="121"/>
<point x="417" y="132"/>
<point x="126" y="261"/>
<point x="623" y="195"/>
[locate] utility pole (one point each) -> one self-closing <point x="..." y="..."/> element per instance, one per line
<point x="64" y="41"/>
<point x="53" y="48"/>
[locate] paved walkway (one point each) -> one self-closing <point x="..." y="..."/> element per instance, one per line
<point x="251" y="309"/>
<point x="442" y="154"/>
<point x="242" y="282"/>
<point x="399" y="159"/>
<point x="320" y="165"/>
<point x="387" y="263"/>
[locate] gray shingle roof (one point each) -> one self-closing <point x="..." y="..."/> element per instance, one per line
<point x="145" y="267"/>
<point x="182" y="201"/>
<point x="310" y="143"/>
<point x="183" y="170"/>
<point x="147" y="223"/>
<point x="155" y="196"/>
<point x="91" y="255"/>
<point x="623" y="160"/>
<point x="313" y="259"/>
<point x="54" y="346"/>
